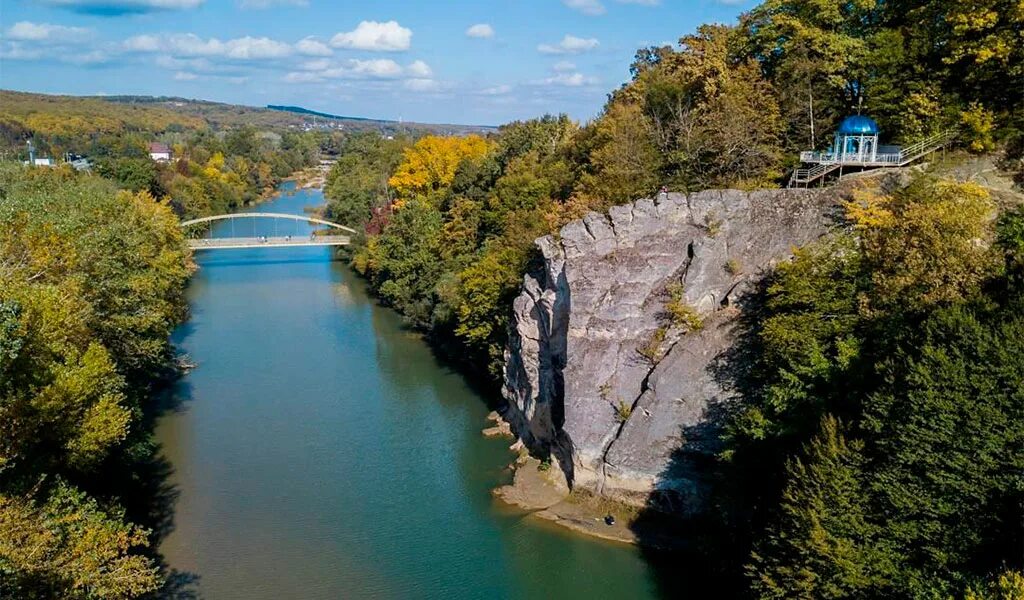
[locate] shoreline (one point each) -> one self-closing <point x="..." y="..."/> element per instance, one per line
<point x="537" y="489"/>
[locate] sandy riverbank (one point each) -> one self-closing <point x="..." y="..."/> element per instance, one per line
<point x="539" y="489"/>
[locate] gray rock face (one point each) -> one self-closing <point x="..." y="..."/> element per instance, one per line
<point x="628" y="424"/>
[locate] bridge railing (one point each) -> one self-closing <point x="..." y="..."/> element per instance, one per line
<point x="336" y="235"/>
<point x="267" y="241"/>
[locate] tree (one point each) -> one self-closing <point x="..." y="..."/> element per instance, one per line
<point x="708" y="120"/>
<point x="813" y="50"/>
<point x="624" y="163"/>
<point x="926" y="244"/>
<point x="405" y="265"/>
<point x="430" y="164"/>
<point x="68" y="546"/>
<point x="824" y="544"/>
<point x="91" y="282"/>
<point x="358" y="182"/>
<point x="945" y="435"/>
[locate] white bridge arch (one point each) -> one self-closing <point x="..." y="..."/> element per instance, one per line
<point x="262" y="240"/>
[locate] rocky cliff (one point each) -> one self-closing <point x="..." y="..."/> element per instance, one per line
<point x="600" y="376"/>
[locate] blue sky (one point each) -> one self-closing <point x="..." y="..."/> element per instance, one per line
<point x="464" y="61"/>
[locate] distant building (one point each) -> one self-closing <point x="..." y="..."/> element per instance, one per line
<point x="159" y="152"/>
<point x="40" y="162"/>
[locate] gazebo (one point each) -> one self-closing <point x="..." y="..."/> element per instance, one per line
<point x="856" y="145"/>
<point x="856" y="140"/>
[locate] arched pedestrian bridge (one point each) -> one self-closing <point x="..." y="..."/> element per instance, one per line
<point x="244" y="234"/>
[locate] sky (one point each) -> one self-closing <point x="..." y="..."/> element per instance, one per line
<point x="462" y="61"/>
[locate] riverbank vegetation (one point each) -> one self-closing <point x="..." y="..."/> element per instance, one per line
<point x="880" y="454"/>
<point x="208" y="171"/>
<point x="879" y="449"/>
<point x="91" y="281"/>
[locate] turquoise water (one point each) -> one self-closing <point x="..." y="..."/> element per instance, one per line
<point x="321" y="451"/>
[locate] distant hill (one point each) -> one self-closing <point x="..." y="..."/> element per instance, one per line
<point x="68" y="115"/>
<point x="306" y="111"/>
<point x="221" y="115"/>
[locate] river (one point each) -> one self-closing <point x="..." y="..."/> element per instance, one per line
<point x="319" y="450"/>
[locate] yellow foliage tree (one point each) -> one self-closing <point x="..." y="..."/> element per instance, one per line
<point x="431" y="162"/>
<point x="927" y="244"/>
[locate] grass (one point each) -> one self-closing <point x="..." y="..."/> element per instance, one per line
<point x="733" y="267"/>
<point x="652" y="349"/>
<point x="599" y="505"/>
<point x="683" y="315"/>
<point x="712" y="224"/>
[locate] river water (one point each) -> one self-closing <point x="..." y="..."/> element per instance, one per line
<point x="320" y="451"/>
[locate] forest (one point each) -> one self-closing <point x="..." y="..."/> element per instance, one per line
<point x="91" y="282"/>
<point x="880" y="452"/>
<point x="93" y="268"/>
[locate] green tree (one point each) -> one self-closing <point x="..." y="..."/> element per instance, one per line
<point x="406" y="269"/>
<point x="68" y="546"/>
<point x="824" y="544"/>
<point x="945" y="434"/>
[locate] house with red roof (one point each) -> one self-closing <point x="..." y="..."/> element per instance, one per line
<point x="159" y="152"/>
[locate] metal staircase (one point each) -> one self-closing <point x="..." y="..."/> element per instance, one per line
<point x="804" y="177"/>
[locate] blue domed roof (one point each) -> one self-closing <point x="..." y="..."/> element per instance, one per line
<point x="858" y="125"/>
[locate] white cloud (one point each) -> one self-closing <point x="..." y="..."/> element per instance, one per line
<point x="418" y="75"/>
<point x="645" y="2"/>
<point x="122" y="7"/>
<point x="185" y="76"/>
<point x="27" y="31"/>
<point x="587" y="7"/>
<point x="94" y="57"/>
<point x="302" y="77"/>
<point x="264" y="4"/>
<point x="313" y="47"/>
<point x="497" y="90"/>
<point x="255" y="48"/>
<point x="562" y="66"/>
<point x="319" y="64"/>
<point x="480" y="30"/>
<point x="570" y="44"/>
<point x="371" y="35"/>
<point x="419" y="69"/>
<point x="377" y="67"/>
<point x="201" y="65"/>
<point x="189" y="44"/>
<point x="17" y="50"/>
<point x="421" y="85"/>
<point x="143" y="43"/>
<point x="568" y="80"/>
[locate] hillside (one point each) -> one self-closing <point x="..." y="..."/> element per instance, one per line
<point x="25" y="112"/>
<point x="221" y="115"/>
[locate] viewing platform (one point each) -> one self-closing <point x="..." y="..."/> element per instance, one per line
<point x="856" y="146"/>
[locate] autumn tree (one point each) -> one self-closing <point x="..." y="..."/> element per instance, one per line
<point x="91" y="282"/>
<point x="430" y="163"/>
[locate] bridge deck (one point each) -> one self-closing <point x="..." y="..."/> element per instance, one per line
<point x="256" y="242"/>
